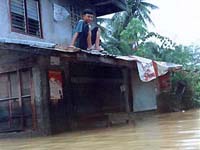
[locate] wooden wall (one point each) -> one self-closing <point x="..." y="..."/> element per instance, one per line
<point x="95" y="90"/>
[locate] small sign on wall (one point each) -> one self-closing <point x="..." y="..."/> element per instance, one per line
<point x="55" y="85"/>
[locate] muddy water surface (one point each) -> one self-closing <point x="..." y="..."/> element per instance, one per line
<point x="165" y="131"/>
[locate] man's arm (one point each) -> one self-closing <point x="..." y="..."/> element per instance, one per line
<point x="75" y="36"/>
<point x="89" y="41"/>
<point x="77" y="30"/>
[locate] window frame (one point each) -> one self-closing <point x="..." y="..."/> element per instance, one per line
<point x="20" y="98"/>
<point x="26" y="20"/>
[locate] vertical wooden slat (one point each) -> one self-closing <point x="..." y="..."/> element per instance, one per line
<point x="68" y="94"/>
<point x="126" y="92"/>
<point x="132" y="89"/>
<point x="20" y="98"/>
<point x="34" y="119"/>
<point x="9" y="101"/>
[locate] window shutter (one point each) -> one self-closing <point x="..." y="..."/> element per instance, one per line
<point x="25" y="17"/>
<point x="33" y="17"/>
<point x="18" y="15"/>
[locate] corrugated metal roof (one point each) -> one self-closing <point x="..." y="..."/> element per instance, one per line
<point x="55" y="48"/>
<point x="28" y="42"/>
<point x="52" y="46"/>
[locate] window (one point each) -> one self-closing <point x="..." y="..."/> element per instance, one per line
<point x="75" y="15"/>
<point x="16" y="101"/>
<point x="25" y="17"/>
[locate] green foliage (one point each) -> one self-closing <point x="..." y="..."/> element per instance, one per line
<point x="188" y="56"/>
<point x="129" y="27"/>
<point x="140" y="9"/>
<point x="134" y="32"/>
<point x="180" y="55"/>
<point x="132" y="21"/>
<point x="170" y="102"/>
<point x="165" y="42"/>
<point x="175" y="54"/>
<point x="120" y="41"/>
<point x="149" y="50"/>
<point x="192" y="94"/>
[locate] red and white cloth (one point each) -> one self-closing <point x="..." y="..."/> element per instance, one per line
<point x="149" y="69"/>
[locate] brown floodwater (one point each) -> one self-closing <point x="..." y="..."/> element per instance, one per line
<point x="164" y="131"/>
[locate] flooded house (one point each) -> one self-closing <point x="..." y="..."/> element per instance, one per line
<point x="148" y="80"/>
<point x="45" y="89"/>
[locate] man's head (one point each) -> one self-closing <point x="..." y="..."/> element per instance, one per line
<point x="88" y="15"/>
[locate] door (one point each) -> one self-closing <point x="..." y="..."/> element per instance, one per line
<point x="57" y="102"/>
<point x="144" y="95"/>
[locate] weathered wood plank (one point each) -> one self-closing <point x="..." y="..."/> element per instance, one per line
<point x="16" y="65"/>
<point x="126" y="90"/>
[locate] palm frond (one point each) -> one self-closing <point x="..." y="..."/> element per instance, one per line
<point x="144" y="16"/>
<point x="152" y="6"/>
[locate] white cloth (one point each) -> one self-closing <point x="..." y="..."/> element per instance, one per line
<point x="60" y="13"/>
<point x="149" y="69"/>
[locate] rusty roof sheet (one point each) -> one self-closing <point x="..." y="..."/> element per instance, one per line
<point x="52" y="47"/>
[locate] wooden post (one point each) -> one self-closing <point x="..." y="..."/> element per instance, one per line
<point x="126" y="89"/>
<point x="132" y="89"/>
<point x="68" y="96"/>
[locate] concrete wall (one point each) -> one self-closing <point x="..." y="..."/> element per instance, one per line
<point x="56" y="32"/>
<point x="41" y="100"/>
